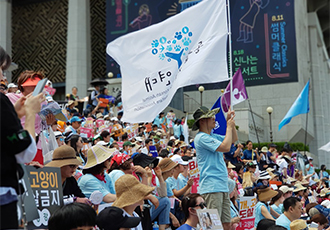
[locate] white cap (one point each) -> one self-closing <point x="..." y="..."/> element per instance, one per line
<point x="172" y="138"/>
<point x="114" y="119"/>
<point x="139" y="139"/>
<point x="12" y="85"/>
<point x="309" y="158"/>
<point x="58" y="134"/>
<point x="102" y="143"/>
<point x="286" y="189"/>
<point x="178" y="159"/>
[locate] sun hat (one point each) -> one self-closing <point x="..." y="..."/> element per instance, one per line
<point x="129" y="191"/>
<point x="172" y="138"/>
<point x="310" y="158"/>
<point x="72" y="102"/>
<point x="97" y="154"/>
<point x="287" y="158"/>
<point x="178" y="159"/>
<point x="264" y="175"/>
<point x="298" y="225"/>
<point x="32" y="82"/>
<point x="119" y="158"/>
<point x="177" y="142"/>
<point x="167" y="164"/>
<point x="299" y="187"/>
<point x="103" y="143"/>
<point x="269" y="170"/>
<point x="99" y="115"/>
<point x="114" y="119"/>
<point x="113" y="218"/>
<point x="265" y="194"/>
<point x="144" y="160"/>
<point x="264" y="149"/>
<point x="201" y="113"/>
<point x="324" y="192"/>
<point x="230" y="165"/>
<point x="75" y="118"/>
<point x="62" y="156"/>
<point x="139" y="139"/>
<point x="285" y="189"/>
<point x="128" y="143"/>
<point x="157" y="137"/>
<point x="326" y="203"/>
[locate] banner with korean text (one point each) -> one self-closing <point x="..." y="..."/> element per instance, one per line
<point x="247" y="206"/>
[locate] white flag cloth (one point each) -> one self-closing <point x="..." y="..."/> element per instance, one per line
<point x="325" y="147"/>
<point x="188" y="48"/>
<point x="186" y="131"/>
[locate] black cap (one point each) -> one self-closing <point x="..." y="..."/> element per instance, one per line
<point x="113" y="218"/>
<point x="144" y="160"/>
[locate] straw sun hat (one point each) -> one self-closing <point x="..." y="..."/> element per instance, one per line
<point x="129" y="191"/>
<point x="97" y="155"/>
<point x="201" y="113"/>
<point x="298" y="225"/>
<point x="62" y="156"/>
<point x="265" y="194"/>
<point x="298" y="188"/>
<point x="167" y="164"/>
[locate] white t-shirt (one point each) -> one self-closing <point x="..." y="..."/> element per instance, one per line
<point x="282" y="164"/>
<point x="139" y="227"/>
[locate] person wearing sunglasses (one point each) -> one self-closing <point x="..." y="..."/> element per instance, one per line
<point x="190" y="204"/>
<point x="59" y="138"/>
<point x="64" y="157"/>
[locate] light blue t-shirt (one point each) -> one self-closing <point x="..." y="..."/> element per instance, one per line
<point x="277" y="209"/>
<point x="259" y="215"/>
<point x="177" y="130"/>
<point x="233" y="211"/>
<point x="168" y="187"/>
<point x="114" y="175"/>
<point x="182" y="181"/>
<point x="283" y="221"/>
<point x="311" y="169"/>
<point x="158" y="121"/>
<point x="89" y="183"/>
<point x="212" y="167"/>
<point x="185" y="227"/>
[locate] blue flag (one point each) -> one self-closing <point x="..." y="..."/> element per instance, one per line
<point x="300" y="106"/>
<point x="220" y="120"/>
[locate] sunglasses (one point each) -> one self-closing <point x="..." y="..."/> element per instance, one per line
<point x="201" y="205"/>
<point x="61" y="139"/>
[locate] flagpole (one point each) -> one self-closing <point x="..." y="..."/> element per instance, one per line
<point x="305" y="148"/>
<point x="254" y="123"/>
<point x="230" y="56"/>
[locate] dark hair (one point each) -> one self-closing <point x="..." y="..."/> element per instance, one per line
<point x="72" y="216"/>
<point x="164" y="153"/>
<point x="24" y="76"/>
<point x="124" y="136"/>
<point x="73" y="141"/>
<point x="124" y="166"/>
<point x="309" y="206"/>
<point x="104" y="134"/>
<point x="170" y="143"/>
<point x="147" y="141"/>
<point x="95" y="170"/>
<point x="276" y="227"/>
<point x="188" y="201"/>
<point x="238" y="167"/>
<point x="323" y="167"/>
<point x="113" y="145"/>
<point x="277" y="197"/>
<point x="247" y="142"/>
<point x="290" y="202"/>
<point x="265" y="224"/>
<point x="4" y="59"/>
<point x="318" y="218"/>
<point x="154" y="125"/>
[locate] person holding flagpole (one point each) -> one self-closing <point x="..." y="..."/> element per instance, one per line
<point x="212" y="167"/>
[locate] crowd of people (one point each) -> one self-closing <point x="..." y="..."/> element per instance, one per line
<point x="140" y="171"/>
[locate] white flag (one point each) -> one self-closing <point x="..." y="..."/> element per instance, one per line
<point x="186" y="49"/>
<point x="186" y="131"/>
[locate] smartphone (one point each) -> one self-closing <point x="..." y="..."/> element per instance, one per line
<point x="40" y="87"/>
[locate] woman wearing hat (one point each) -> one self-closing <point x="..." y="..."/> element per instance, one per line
<point x="27" y="81"/>
<point x="262" y="208"/>
<point x="130" y="194"/>
<point x="64" y="157"/>
<point x="95" y="178"/>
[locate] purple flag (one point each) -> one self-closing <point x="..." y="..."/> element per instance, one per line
<point x="239" y="92"/>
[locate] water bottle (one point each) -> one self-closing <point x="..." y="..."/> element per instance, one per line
<point x="155" y="226"/>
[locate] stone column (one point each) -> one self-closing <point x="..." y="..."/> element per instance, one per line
<point x="5" y="29"/>
<point x="78" y="62"/>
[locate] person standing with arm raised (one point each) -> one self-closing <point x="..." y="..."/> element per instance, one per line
<point x="213" y="171"/>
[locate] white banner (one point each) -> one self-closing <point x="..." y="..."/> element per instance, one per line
<point x="186" y="49"/>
